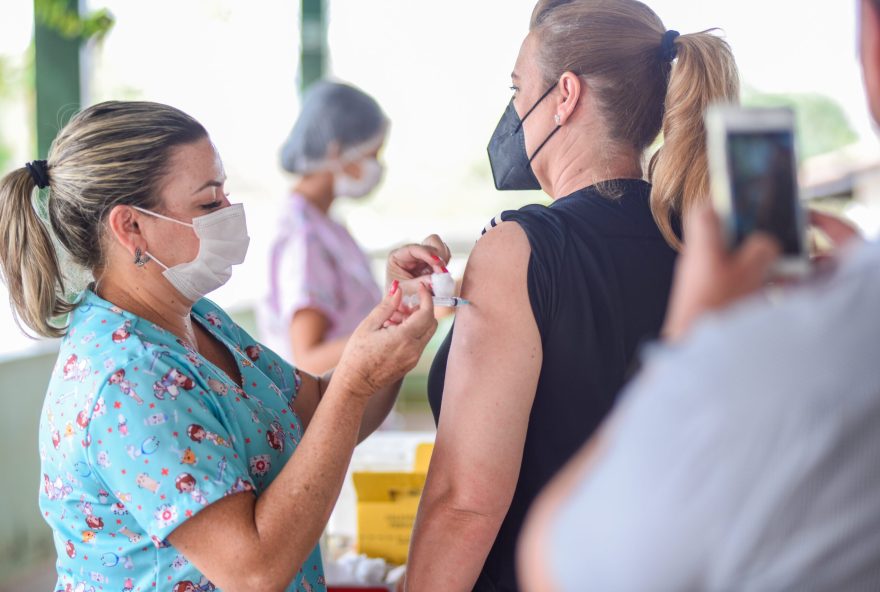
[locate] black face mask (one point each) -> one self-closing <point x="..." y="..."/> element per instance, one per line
<point x="511" y="165"/>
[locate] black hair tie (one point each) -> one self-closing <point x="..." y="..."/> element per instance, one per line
<point x="668" y="50"/>
<point x="39" y="170"/>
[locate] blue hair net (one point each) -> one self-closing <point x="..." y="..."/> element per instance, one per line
<point x="331" y="112"/>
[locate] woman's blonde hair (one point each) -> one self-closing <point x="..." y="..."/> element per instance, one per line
<point x="616" y="46"/>
<point x="113" y="153"/>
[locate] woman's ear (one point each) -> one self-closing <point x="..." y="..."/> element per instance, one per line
<point x="571" y="86"/>
<point x="125" y="230"/>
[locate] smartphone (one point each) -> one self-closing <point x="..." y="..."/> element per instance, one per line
<point x="753" y="173"/>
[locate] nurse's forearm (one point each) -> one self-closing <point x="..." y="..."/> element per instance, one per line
<point x="243" y="542"/>
<point x="378" y="408"/>
<point x="293" y="511"/>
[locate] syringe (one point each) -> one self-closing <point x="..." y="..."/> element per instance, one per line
<point x="451" y="301"/>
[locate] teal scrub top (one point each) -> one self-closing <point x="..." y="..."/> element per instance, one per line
<point x="139" y="433"/>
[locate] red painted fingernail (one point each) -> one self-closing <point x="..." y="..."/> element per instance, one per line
<point x="394" y="285"/>
<point x="444" y="269"/>
<point x="435" y="258"/>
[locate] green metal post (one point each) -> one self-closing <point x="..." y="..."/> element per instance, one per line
<point x="58" y="80"/>
<point x="313" y="36"/>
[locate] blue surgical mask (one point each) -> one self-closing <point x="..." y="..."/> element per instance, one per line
<point x="511" y="165"/>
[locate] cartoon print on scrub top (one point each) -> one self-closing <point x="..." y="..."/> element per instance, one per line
<point x="275" y="436"/>
<point x="186" y="483"/>
<point x="191" y="354"/>
<point x="189" y="586"/>
<point x="199" y="434"/>
<point x="214" y="319"/>
<point x="127" y="388"/>
<point x="171" y="383"/>
<point x="76" y="369"/>
<point x="120" y="472"/>
<point x="122" y="333"/>
<point x="253" y="352"/>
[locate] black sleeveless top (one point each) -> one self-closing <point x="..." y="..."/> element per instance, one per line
<point x="599" y="277"/>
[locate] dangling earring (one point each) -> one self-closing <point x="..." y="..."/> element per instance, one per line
<point x="139" y="259"/>
<point x="557" y="119"/>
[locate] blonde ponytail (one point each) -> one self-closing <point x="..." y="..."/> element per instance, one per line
<point x="113" y="153"/>
<point x="703" y="73"/>
<point x="621" y="49"/>
<point x="28" y="263"/>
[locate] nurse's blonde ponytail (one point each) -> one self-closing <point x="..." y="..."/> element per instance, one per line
<point x="113" y="153"/>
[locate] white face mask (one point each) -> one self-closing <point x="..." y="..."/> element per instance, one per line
<point x="223" y="242"/>
<point x="347" y="186"/>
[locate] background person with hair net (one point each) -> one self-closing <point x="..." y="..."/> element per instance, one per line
<point x="320" y="283"/>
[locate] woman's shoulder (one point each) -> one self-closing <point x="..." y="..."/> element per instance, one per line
<point x="106" y="347"/>
<point x="585" y="210"/>
<point x="303" y="216"/>
<point x="543" y="229"/>
<point x="581" y="222"/>
<point x="617" y="208"/>
<point x="103" y="338"/>
<point x="294" y="220"/>
<point x="100" y="330"/>
<point x="507" y="249"/>
<point x="302" y="230"/>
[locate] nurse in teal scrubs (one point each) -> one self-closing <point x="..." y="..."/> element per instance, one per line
<point x="177" y="452"/>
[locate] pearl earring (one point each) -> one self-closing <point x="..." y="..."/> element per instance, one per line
<point x="557" y="119"/>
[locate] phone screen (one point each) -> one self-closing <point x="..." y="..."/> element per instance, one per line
<point x="764" y="188"/>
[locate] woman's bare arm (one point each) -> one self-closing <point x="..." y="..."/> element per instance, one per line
<point x="491" y="377"/>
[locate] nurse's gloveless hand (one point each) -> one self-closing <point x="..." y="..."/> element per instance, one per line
<point x="415" y="263"/>
<point x="708" y="277"/>
<point x="378" y="354"/>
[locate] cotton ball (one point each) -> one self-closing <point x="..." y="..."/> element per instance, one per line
<point x="443" y="285"/>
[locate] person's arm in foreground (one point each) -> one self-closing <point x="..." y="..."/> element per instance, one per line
<point x="244" y="542"/>
<point x="709" y="278"/>
<point x="491" y="377"/>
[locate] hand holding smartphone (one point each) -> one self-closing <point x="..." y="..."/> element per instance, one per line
<point x="753" y="172"/>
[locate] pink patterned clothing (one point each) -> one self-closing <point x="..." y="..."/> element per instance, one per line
<point x="314" y="263"/>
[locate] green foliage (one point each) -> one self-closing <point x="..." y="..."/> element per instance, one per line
<point x="5" y="157"/>
<point x="62" y="18"/>
<point x="822" y="126"/>
<point x="12" y="80"/>
<point x="4" y="75"/>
